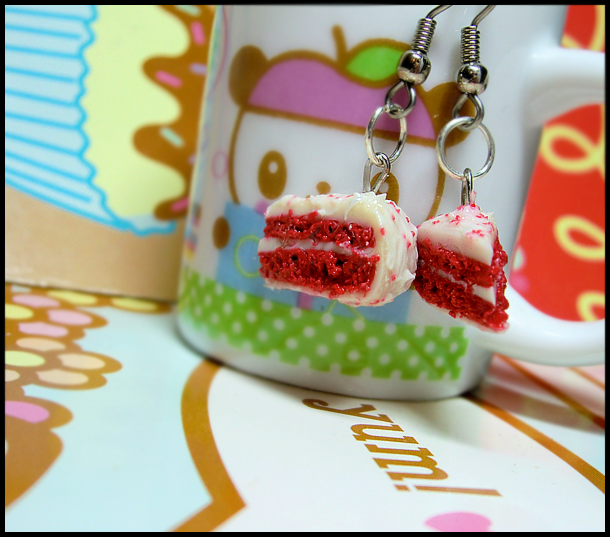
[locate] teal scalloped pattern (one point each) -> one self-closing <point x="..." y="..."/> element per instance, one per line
<point x="321" y="340"/>
<point x="45" y="140"/>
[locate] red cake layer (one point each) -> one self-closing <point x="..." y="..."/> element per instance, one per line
<point x="455" y="298"/>
<point x="463" y="268"/>
<point x="312" y="227"/>
<point x="319" y="270"/>
<point x="458" y="299"/>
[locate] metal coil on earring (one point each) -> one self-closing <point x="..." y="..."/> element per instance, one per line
<point x="471" y="45"/>
<point x="424" y="34"/>
<point x="472" y="76"/>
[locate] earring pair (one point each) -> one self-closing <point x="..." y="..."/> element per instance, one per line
<point x="362" y="249"/>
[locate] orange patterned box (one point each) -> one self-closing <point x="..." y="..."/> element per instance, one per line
<point x="101" y="112"/>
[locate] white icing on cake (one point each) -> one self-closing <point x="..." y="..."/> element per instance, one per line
<point x="467" y="231"/>
<point x="486" y="293"/>
<point x="395" y="241"/>
<point x="269" y="244"/>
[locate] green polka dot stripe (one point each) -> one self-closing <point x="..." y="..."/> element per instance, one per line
<point x="321" y="341"/>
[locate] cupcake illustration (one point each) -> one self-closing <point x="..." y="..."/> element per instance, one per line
<point x="87" y="128"/>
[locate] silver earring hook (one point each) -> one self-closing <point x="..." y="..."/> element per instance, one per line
<point x="413" y="69"/>
<point x="437" y="10"/>
<point x="472" y="76"/>
<point x="477" y="20"/>
<point x="472" y="80"/>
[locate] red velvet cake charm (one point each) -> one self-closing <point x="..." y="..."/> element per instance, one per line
<point x="461" y="267"/>
<point x="359" y="249"/>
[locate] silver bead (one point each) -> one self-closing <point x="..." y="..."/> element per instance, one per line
<point x="414" y="67"/>
<point x="472" y="78"/>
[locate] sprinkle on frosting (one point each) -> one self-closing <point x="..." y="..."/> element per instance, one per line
<point x="345" y="247"/>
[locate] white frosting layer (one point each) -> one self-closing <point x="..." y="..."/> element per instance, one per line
<point x="395" y="241"/>
<point x="268" y="244"/>
<point x="467" y="231"/>
<point x="486" y="293"/>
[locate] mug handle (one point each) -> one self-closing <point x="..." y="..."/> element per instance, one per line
<point x="535" y="337"/>
<point x="561" y="80"/>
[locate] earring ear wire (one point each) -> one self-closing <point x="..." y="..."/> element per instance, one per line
<point x="414" y="65"/>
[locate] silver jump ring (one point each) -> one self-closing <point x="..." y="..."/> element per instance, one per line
<point x="395" y="111"/>
<point x="440" y="148"/>
<point x="479" y="109"/>
<point x="366" y="179"/>
<point x="368" y="139"/>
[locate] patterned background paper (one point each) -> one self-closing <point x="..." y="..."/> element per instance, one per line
<point x="113" y="424"/>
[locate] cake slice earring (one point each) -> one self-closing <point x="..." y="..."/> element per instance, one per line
<point x="359" y="249"/>
<point x="461" y="261"/>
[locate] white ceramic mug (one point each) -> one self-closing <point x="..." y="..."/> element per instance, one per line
<point x="289" y="93"/>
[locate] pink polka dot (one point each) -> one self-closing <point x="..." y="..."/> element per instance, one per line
<point x="220" y="164"/>
<point x="75" y="318"/>
<point x="36" y="301"/>
<point x="520" y="282"/>
<point x="42" y="329"/>
<point x="459" y="521"/>
<point x="261" y="206"/>
<point x="25" y="411"/>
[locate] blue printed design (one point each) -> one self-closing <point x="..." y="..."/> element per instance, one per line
<point x="238" y="268"/>
<point x="44" y="137"/>
<point x="394" y="312"/>
<point x="238" y="261"/>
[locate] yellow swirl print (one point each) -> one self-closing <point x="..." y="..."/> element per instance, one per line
<point x="598" y="37"/>
<point x="586" y="301"/>
<point x="593" y="152"/>
<point x="566" y="224"/>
